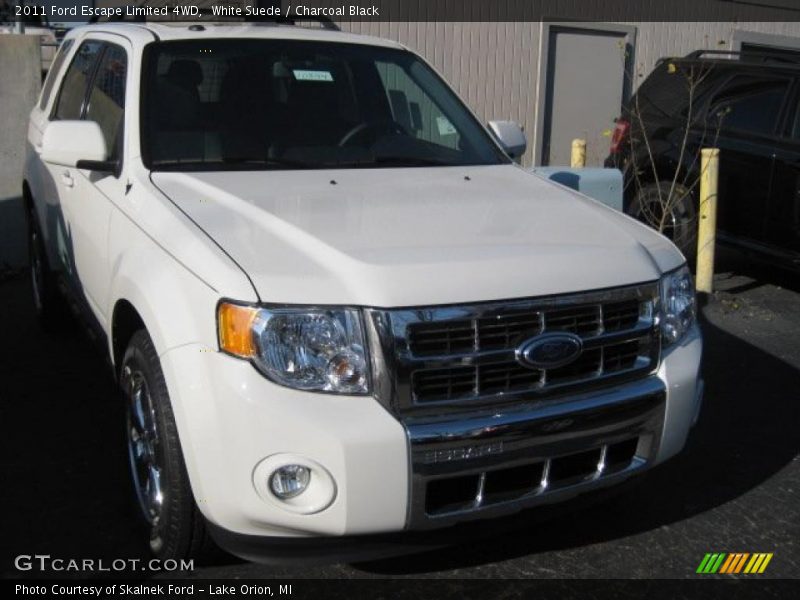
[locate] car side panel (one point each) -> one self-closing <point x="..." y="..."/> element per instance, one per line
<point x="745" y="181"/>
<point x="40" y="180"/>
<point x="783" y="218"/>
<point x="783" y="215"/>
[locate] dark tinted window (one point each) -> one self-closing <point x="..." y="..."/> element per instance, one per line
<point x="52" y="74"/>
<point x="751" y="105"/>
<point x="107" y="98"/>
<point x="73" y="87"/>
<point x="668" y="89"/>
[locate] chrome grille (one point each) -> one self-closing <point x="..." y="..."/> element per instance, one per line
<point x="466" y="354"/>
<point x="432" y="339"/>
<point x="507" y="330"/>
<point x="499" y="332"/>
<point x="435" y="385"/>
<point x="620" y="315"/>
<point x="502" y="484"/>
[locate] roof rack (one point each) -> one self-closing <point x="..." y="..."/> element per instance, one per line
<point x="777" y="55"/>
<point x="325" y="22"/>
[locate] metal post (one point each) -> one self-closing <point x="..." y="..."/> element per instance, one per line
<point x="707" y="225"/>
<point x="578" y="158"/>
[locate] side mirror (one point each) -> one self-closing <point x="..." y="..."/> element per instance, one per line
<point x="77" y="144"/>
<point x="510" y="136"/>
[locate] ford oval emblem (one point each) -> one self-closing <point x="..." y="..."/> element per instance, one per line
<point x="549" y="351"/>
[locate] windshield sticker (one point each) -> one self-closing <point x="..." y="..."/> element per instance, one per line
<point x="445" y="126"/>
<point x="307" y="75"/>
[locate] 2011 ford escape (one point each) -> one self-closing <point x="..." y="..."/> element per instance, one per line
<point x="334" y="304"/>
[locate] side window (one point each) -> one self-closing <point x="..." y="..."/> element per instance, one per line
<point x="107" y="97"/>
<point x="73" y="88"/>
<point x="414" y="110"/>
<point x="52" y="74"/>
<point x="751" y="105"/>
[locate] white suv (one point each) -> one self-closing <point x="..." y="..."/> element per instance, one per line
<point x="336" y="308"/>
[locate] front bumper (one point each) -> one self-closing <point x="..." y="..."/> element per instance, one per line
<point x="277" y="550"/>
<point x="495" y="464"/>
<point x="230" y="418"/>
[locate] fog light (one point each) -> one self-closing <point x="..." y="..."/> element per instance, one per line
<point x="294" y="483"/>
<point x="289" y="481"/>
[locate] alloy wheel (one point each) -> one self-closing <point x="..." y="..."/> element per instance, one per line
<point x="144" y="448"/>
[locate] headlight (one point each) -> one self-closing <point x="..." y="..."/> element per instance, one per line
<point x="677" y="305"/>
<point x="308" y="349"/>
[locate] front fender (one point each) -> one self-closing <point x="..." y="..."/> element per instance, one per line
<point x="161" y="296"/>
<point x="167" y="268"/>
<point x="176" y="306"/>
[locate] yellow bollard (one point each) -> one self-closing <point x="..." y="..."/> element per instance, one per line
<point x="578" y="158"/>
<point x="707" y="224"/>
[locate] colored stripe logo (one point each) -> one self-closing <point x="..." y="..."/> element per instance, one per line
<point x="734" y="563"/>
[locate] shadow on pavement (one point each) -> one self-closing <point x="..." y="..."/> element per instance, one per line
<point x="62" y="441"/>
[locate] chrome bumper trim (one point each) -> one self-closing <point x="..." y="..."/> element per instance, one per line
<point x="534" y="433"/>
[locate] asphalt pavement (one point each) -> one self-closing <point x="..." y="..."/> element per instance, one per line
<point x="735" y="488"/>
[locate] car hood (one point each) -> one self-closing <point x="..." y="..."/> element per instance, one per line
<point x="415" y="236"/>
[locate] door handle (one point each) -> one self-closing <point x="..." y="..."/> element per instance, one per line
<point x="67" y="180"/>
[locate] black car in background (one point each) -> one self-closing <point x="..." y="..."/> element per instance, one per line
<point x="744" y="104"/>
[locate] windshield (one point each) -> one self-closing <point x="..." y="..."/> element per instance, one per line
<point x="284" y="104"/>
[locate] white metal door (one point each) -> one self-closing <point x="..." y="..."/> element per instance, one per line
<point x="584" y="90"/>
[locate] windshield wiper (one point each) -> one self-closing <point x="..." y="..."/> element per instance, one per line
<point x="390" y="161"/>
<point x="412" y="161"/>
<point x="244" y="163"/>
<point x="278" y="161"/>
<point x="229" y="164"/>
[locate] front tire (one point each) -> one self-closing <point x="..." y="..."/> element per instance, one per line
<point x="176" y="529"/>
<point x="47" y="302"/>
<point x="680" y="224"/>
